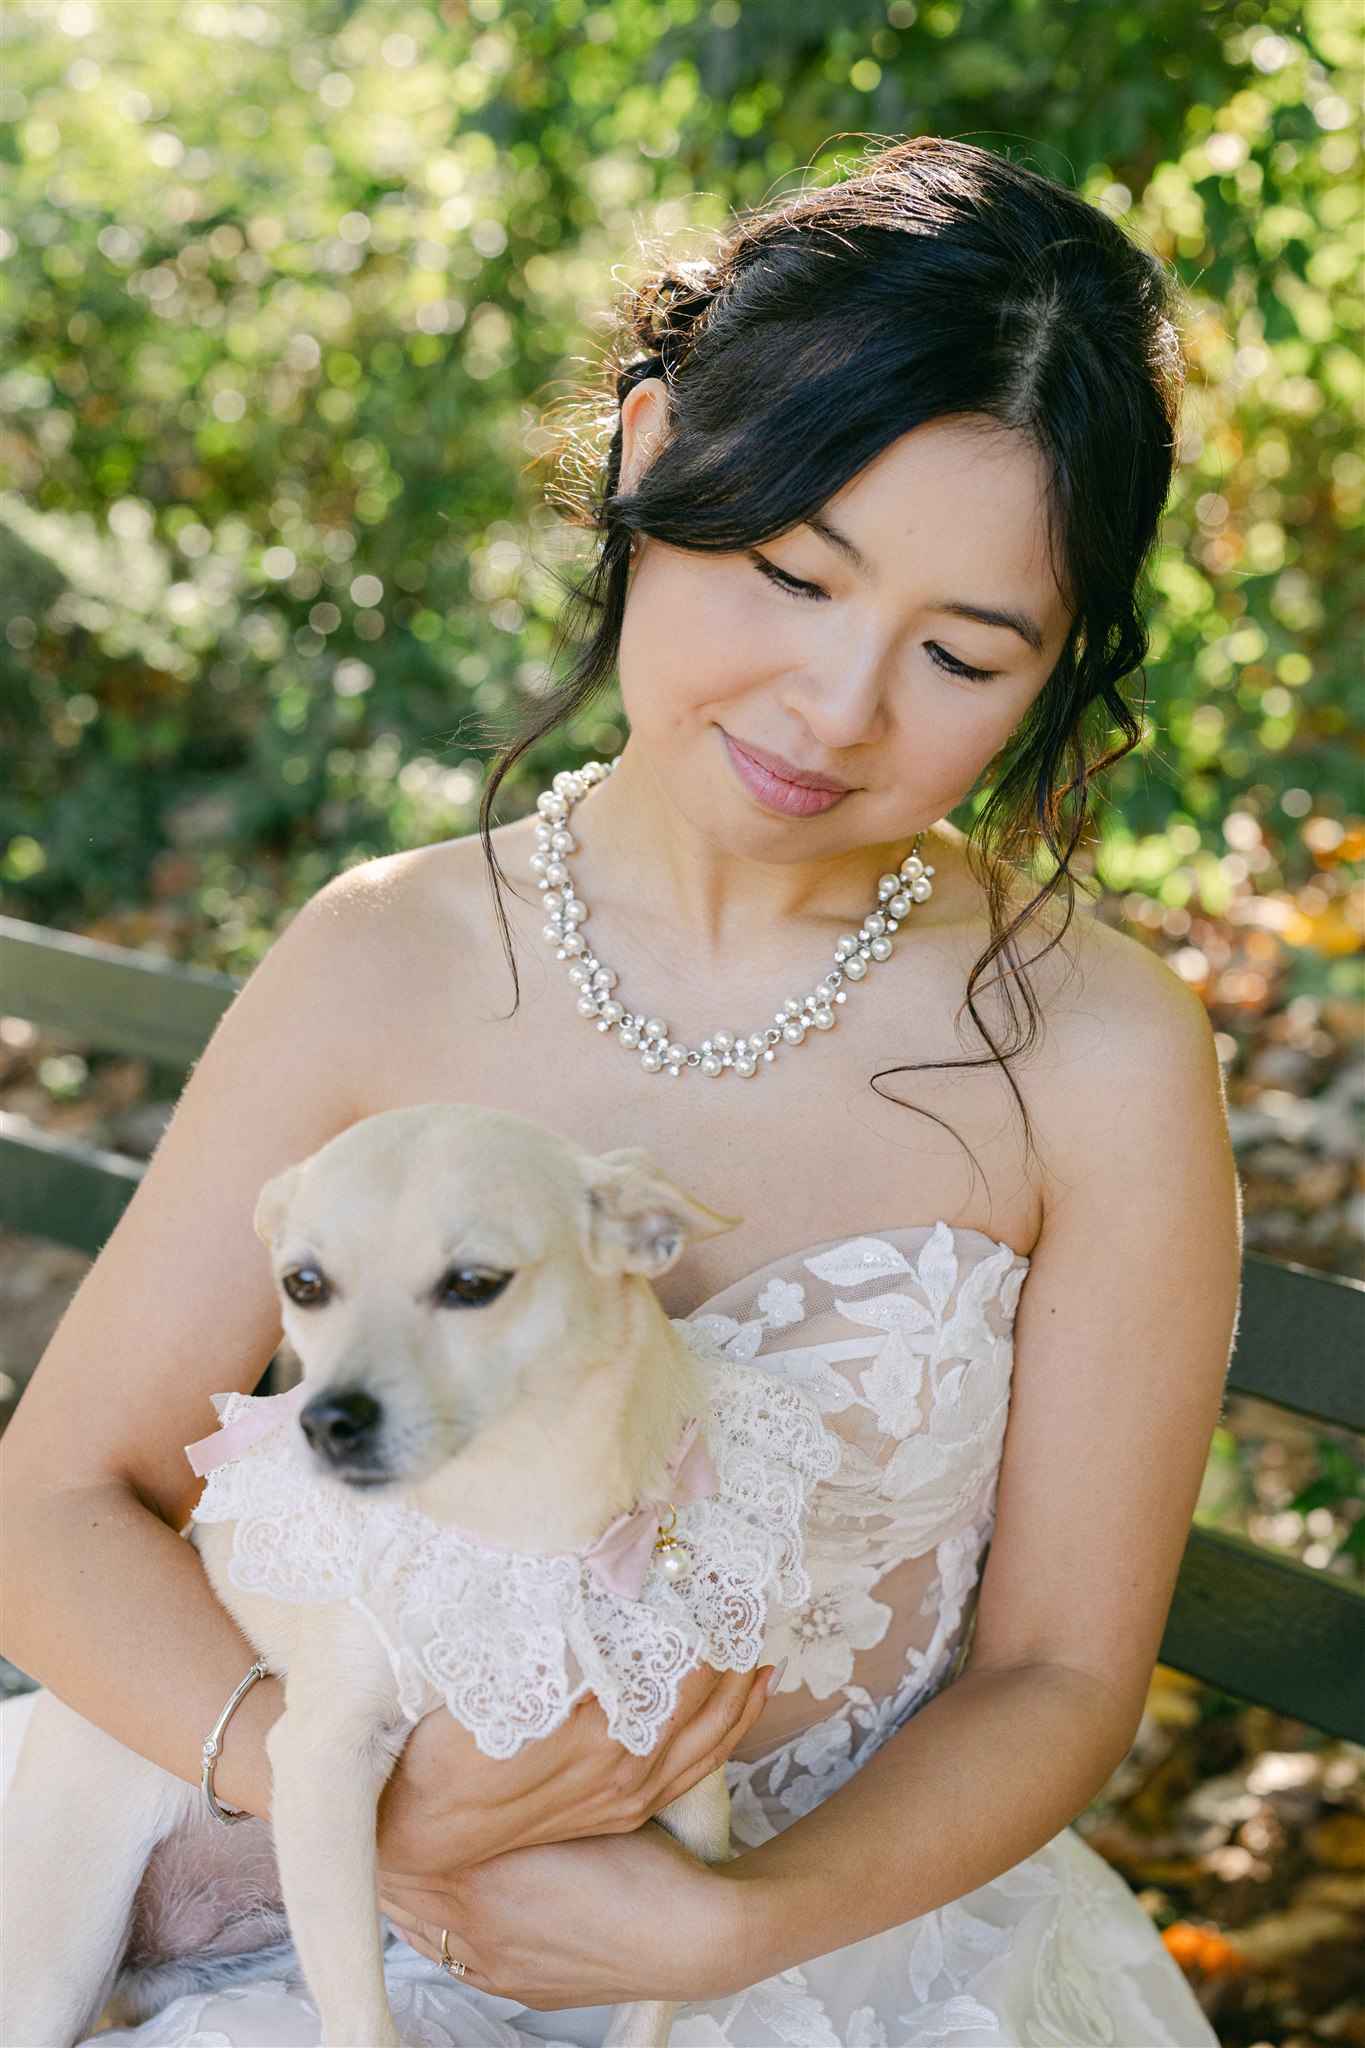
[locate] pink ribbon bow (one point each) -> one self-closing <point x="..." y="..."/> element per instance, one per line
<point x="209" y="1452"/>
<point x="620" y="1557"/>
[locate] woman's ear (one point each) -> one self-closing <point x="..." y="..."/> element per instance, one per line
<point x="273" y="1202"/>
<point x="636" y="1220"/>
<point x="644" y="425"/>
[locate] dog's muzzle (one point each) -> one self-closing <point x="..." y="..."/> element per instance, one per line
<point x="343" y="1428"/>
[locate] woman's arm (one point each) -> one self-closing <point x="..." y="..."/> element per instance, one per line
<point x="104" y="1601"/>
<point x="1121" y="1350"/>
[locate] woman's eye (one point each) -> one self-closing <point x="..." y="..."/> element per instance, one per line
<point x="306" y="1286"/>
<point x="950" y="664"/>
<point x="791" y="584"/>
<point x="470" y="1287"/>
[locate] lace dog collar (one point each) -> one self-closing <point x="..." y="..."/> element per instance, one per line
<point x="507" y="1641"/>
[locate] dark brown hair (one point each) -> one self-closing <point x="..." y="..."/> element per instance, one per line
<point x="936" y="280"/>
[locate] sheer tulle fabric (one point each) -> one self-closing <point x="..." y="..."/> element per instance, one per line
<point x="903" y="1339"/>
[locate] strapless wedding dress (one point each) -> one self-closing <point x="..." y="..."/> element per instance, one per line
<point x="904" y="1340"/>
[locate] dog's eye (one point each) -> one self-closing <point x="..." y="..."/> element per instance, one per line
<point x="306" y="1286"/>
<point x="470" y="1287"/>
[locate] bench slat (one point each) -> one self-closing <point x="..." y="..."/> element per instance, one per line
<point x="1301" y="1340"/>
<point x="1268" y="1628"/>
<point x="110" y="997"/>
<point x="61" y="1188"/>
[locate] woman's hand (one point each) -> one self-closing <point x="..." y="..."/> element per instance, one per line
<point x="447" y="1805"/>
<point x="602" y="1922"/>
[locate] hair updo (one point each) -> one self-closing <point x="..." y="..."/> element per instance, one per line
<point x="938" y="280"/>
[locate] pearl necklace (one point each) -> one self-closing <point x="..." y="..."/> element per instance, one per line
<point x="648" y="1036"/>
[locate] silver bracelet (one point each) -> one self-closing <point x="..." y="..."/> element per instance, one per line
<point x="213" y="1743"/>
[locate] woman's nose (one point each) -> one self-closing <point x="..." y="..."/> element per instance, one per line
<point x="842" y="701"/>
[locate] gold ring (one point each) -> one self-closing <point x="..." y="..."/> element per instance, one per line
<point x="448" y="1961"/>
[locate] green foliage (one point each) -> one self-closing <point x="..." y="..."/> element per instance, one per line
<point x="294" y="290"/>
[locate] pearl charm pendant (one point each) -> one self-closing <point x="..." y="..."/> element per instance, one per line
<point x="673" y="1558"/>
<point x="647" y="1036"/>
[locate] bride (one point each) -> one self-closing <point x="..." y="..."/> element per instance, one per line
<point x="881" y="482"/>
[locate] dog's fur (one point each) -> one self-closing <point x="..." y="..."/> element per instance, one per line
<point x="531" y="1421"/>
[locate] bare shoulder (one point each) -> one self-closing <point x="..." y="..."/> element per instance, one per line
<point x="1122" y="1060"/>
<point x="380" y="911"/>
<point x="1128" y="1079"/>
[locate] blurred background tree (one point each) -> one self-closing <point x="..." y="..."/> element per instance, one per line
<point x="293" y="294"/>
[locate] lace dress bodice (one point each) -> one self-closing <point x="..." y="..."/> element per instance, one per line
<point x="903" y="1339"/>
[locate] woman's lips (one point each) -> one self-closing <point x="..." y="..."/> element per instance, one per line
<point x="778" y="786"/>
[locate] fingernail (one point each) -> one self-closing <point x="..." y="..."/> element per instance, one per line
<point x="776" y="1679"/>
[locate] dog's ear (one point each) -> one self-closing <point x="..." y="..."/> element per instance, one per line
<point x="272" y="1202"/>
<point x="637" y="1221"/>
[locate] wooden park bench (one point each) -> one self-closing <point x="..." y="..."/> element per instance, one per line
<point x="1253" y="1624"/>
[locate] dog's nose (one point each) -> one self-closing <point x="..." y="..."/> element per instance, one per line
<point x="342" y="1427"/>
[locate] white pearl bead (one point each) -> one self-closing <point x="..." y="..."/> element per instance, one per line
<point x="575" y="912"/>
<point x="676" y="1050"/>
<point x="847" y="944"/>
<point x="651" y="1062"/>
<point x="823" y="1020"/>
<point x="745" y="1064"/>
<point x="724" y="1041"/>
<point x="552" y="901"/>
<point x="554" y="932"/>
<point x="899" y="905"/>
<point x="881" y="949"/>
<point x="823" y="991"/>
<point x="793" y="1031"/>
<point x="587" y="1006"/>
<point x="656" y="1028"/>
<point x="712" y="1064"/>
<point x="578" y="975"/>
<point x="912" y="867"/>
<point x="604" y="978"/>
<point x="887" y="886"/>
<point x="538" y="864"/>
<point x="612" y="1012"/>
<point x="572" y="943"/>
<point x="921" y="890"/>
<point x="875" y="925"/>
<point x="629" y="1036"/>
<point x="855" y="968"/>
<point x="556" y="874"/>
<point x="674" y="1563"/>
<point x="791" y="1008"/>
<point x="562" y="842"/>
<point x="564" y="780"/>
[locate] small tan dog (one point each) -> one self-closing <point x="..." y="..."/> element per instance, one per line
<point x="469" y="1296"/>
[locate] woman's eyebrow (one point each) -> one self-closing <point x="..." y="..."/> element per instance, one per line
<point x="1015" y="622"/>
<point x="841" y="541"/>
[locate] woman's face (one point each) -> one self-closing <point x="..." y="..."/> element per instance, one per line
<point x="845" y="688"/>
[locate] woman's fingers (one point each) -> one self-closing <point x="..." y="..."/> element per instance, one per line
<point x="713" y="1733"/>
<point x="425" y="1937"/>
